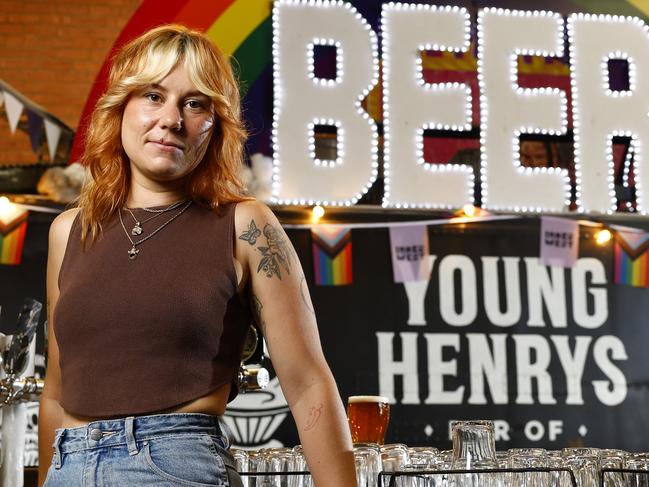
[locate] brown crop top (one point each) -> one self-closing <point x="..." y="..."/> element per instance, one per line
<point x="144" y="335"/>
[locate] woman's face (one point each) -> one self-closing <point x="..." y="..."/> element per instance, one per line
<point x="166" y="128"/>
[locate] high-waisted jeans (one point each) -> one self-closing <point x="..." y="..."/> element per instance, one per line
<point x="166" y="450"/>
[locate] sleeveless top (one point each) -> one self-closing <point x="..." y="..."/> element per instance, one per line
<point x="148" y="334"/>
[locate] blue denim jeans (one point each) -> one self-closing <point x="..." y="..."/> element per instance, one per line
<point x="167" y="450"/>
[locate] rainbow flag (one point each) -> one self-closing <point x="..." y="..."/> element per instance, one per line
<point x="332" y="255"/>
<point x="631" y="259"/>
<point x="12" y="237"/>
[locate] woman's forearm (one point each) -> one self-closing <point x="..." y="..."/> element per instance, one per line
<point x="324" y="434"/>
<point x="49" y="418"/>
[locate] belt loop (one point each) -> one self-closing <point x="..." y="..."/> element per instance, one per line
<point x="225" y="432"/>
<point x="130" y="435"/>
<point x="57" y="449"/>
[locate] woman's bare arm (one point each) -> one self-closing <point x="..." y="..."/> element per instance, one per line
<point x="50" y="411"/>
<point x="281" y="301"/>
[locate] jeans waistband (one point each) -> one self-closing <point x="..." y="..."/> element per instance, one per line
<point x="111" y="432"/>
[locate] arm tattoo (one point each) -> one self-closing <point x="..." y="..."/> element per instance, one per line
<point x="251" y="234"/>
<point x="256" y="311"/>
<point x="304" y="291"/>
<point x="275" y="256"/>
<point x="314" y="416"/>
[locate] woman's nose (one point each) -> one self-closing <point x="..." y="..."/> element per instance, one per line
<point x="171" y="118"/>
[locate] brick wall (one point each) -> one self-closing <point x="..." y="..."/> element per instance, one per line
<point x="51" y="51"/>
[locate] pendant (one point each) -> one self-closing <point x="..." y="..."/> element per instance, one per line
<point x="132" y="254"/>
<point x="137" y="229"/>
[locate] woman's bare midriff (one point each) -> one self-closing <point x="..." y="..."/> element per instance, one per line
<point x="213" y="403"/>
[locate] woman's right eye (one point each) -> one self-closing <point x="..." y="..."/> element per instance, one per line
<point x="154" y="97"/>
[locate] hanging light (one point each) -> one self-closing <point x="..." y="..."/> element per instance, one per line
<point x="603" y="236"/>
<point x="317" y="213"/>
<point x="5" y="204"/>
<point x="8" y="210"/>
<point x="469" y="210"/>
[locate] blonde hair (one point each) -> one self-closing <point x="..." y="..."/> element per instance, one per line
<point x="144" y="61"/>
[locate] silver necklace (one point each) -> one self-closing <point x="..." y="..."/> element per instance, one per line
<point x="137" y="228"/>
<point x="132" y="253"/>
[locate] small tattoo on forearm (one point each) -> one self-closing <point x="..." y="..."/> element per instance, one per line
<point x="315" y="413"/>
<point x="275" y="256"/>
<point x="252" y="234"/>
<point x="304" y="291"/>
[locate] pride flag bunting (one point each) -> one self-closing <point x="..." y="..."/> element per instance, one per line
<point x="631" y="260"/>
<point x="559" y="244"/>
<point x="14" y="109"/>
<point x="332" y="255"/>
<point x="409" y="250"/>
<point x="12" y="237"/>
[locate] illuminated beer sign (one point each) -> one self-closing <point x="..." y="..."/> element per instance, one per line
<point x="412" y="106"/>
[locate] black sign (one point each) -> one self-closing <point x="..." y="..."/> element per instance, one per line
<point x="553" y="355"/>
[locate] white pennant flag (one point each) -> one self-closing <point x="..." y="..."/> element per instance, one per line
<point x="14" y="108"/>
<point x="52" y="133"/>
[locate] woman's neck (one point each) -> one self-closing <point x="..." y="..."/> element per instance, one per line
<point x="140" y="199"/>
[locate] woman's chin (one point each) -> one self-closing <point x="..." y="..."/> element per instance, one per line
<point x="166" y="172"/>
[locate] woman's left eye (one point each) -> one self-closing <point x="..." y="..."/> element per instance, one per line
<point x="193" y="104"/>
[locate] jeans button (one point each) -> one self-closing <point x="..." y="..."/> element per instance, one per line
<point x="95" y="434"/>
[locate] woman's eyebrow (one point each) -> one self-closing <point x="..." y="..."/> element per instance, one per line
<point x="197" y="94"/>
<point x="157" y="86"/>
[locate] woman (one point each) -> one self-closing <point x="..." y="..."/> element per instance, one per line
<point x="148" y="281"/>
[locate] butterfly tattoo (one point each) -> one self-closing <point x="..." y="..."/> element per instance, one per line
<point x="252" y="234"/>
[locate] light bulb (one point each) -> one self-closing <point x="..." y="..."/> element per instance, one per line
<point x="603" y="236"/>
<point x="5" y="206"/>
<point x="469" y="210"/>
<point x="317" y="213"/>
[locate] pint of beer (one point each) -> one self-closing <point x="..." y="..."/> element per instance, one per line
<point x="368" y="418"/>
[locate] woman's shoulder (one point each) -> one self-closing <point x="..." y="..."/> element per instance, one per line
<point x="60" y="228"/>
<point x="253" y="214"/>
<point x="247" y="209"/>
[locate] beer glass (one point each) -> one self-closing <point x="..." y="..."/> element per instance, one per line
<point x="474" y="448"/>
<point x="584" y="463"/>
<point x="367" y="457"/>
<point x="609" y="458"/>
<point x="522" y="458"/>
<point x="242" y="463"/>
<point x="368" y="418"/>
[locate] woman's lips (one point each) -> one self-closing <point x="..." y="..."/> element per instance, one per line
<point x="166" y="146"/>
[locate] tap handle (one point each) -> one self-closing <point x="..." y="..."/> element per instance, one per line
<point x="253" y="377"/>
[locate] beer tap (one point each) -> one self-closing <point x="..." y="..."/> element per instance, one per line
<point x="252" y="377"/>
<point x="16" y="389"/>
<point x="15" y="358"/>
